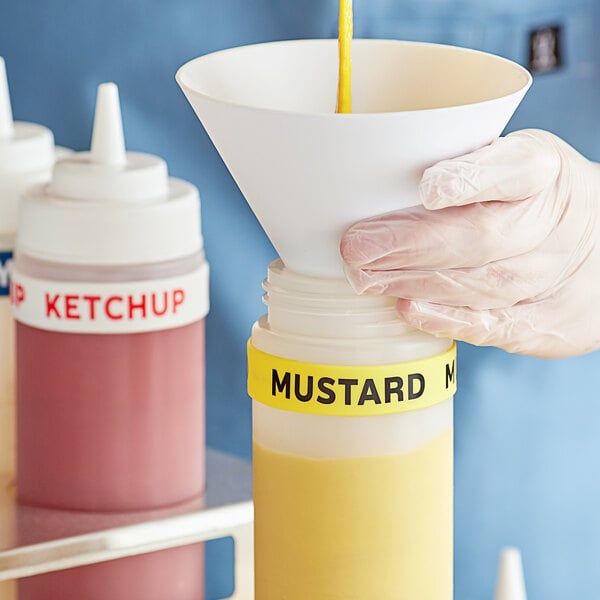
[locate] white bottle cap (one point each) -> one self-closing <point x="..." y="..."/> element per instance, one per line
<point x="109" y="206"/>
<point x="510" y="584"/>
<point x="26" y="156"/>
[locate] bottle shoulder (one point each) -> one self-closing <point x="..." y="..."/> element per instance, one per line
<point x="54" y="271"/>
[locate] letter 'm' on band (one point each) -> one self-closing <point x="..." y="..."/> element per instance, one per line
<point x="280" y="385"/>
<point x="450" y="373"/>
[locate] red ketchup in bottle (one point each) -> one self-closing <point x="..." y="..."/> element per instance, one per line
<point x="110" y="292"/>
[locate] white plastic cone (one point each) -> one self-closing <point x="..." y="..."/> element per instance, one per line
<point x="108" y="142"/>
<point x="108" y="173"/>
<point x="308" y="173"/>
<point x="510" y="584"/>
<point x="6" y="120"/>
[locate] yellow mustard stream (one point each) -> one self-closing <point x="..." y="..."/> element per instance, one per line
<point x="344" y="103"/>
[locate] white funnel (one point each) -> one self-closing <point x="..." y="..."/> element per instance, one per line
<point x="308" y="173"/>
<point x="510" y="584"/>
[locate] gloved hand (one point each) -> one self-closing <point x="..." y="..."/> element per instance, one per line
<point x="505" y="251"/>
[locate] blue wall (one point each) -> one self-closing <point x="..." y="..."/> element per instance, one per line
<point x="527" y="430"/>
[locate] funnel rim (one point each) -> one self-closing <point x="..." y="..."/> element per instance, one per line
<point x="187" y="88"/>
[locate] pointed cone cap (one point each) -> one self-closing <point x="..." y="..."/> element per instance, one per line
<point x="6" y="120"/>
<point x="308" y="173"/>
<point x="108" y="141"/>
<point x="108" y="173"/>
<point x="108" y="206"/>
<point x="510" y="584"/>
<point x="26" y="156"/>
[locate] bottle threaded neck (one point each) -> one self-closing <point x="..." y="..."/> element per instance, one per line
<point x="311" y="306"/>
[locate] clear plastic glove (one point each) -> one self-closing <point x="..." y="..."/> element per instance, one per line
<point x="505" y="251"/>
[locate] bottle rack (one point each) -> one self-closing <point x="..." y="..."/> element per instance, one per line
<point x="58" y="540"/>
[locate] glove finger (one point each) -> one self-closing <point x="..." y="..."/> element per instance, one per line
<point x="498" y="284"/>
<point x="523" y="329"/>
<point x="511" y="168"/>
<point x="469" y="236"/>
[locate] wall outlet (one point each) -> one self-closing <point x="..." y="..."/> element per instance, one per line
<point x="545" y="52"/>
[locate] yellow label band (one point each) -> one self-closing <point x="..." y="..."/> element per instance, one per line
<point x="350" y="390"/>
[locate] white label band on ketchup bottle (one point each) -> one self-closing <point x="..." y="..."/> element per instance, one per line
<point x="130" y="307"/>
